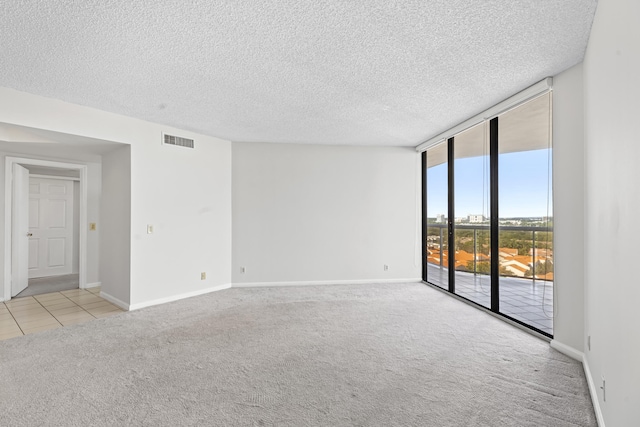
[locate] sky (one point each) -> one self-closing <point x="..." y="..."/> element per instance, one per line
<point x="524" y="182"/>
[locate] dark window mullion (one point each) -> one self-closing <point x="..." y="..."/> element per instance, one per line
<point x="451" y="254"/>
<point x="495" y="237"/>
<point x="424" y="216"/>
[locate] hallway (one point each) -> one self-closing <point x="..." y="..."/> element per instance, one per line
<point x="27" y="315"/>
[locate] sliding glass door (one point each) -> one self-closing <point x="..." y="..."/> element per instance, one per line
<point x="436" y="270"/>
<point x="525" y="229"/>
<point x="488" y="225"/>
<point x="472" y="242"/>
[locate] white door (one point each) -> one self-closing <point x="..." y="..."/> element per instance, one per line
<point x="19" y="230"/>
<point x="51" y="227"/>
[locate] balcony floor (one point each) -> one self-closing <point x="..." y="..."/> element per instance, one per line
<point x="522" y="299"/>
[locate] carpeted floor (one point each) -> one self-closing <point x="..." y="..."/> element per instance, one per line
<point x="45" y="285"/>
<point x="358" y="355"/>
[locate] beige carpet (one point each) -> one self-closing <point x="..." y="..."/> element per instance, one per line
<point x="370" y="355"/>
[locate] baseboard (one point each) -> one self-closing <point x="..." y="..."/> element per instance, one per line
<point x="567" y="350"/>
<point x="130" y="307"/>
<point x="178" y="297"/>
<point x="113" y="300"/>
<point x="91" y="285"/>
<point x="593" y="391"/>
<point x="323" y="282"/>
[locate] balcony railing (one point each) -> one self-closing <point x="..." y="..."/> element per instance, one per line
<point x="531" y="305"/>
<point x="539" y="256"/>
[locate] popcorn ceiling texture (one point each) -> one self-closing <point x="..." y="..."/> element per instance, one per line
<point x="374" y="72"/>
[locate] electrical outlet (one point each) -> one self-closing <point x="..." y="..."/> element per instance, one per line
<point x="92" y="226"/>
<point x="149" y="229"/>
<point x="203" y="276"/>
<point x="243" y="270"/>
<point x="603" y="387"/>
<point x="386" y="267"/>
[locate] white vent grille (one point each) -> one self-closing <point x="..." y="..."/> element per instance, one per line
<point x="177" y="140"/>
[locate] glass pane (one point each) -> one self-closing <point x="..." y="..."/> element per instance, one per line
<point x="472" y="234"/>
<point x="526" y="214"/>
<point x="437" y="196"/>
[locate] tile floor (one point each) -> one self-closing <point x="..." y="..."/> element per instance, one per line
<point x="522" y="299"/>
<point x="22" y="316"/>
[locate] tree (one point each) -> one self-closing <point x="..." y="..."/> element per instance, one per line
<point x="484" y="267"/>
<point x="542" y="268"/>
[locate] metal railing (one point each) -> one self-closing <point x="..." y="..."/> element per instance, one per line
<point x="442" y="228"/>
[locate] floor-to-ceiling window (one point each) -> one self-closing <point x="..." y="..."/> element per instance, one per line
<point x="526" y="224"/>
<point x="437" y="237"/>
<point x="488" y="214"/>
<point x="471" y="221"/>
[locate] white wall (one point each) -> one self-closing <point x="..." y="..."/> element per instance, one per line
<point x="94" y="195"/>
<point x="115" y="245"/>
<point x="568" y="208"/>
<point x="612" y="230"/>
<point x="185" y="193"/>
<point x="306" y="213"/>
<point x="76" y="228"/>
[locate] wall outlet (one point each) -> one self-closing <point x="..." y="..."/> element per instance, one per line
<point x="149" y="229"/>
<point x="203" y="276"/>
<point x="243" y="270"/>
<point x="386" y="267"/>
<point x="92" y="226"/>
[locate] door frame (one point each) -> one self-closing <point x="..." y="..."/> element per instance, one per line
<point x="8" y="201"/>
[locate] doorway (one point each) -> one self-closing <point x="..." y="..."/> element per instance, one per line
<point x="53" y="221"/>
<point x="45" y="206"/>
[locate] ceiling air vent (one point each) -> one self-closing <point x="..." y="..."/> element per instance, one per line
<point x="177" y="140"/>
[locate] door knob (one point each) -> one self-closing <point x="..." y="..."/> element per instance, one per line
<point x="29" y="234"/>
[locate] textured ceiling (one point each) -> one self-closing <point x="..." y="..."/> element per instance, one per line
<point x="22" y="139"/>
<point x="375" y="72"/>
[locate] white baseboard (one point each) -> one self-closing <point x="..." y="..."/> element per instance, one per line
<point x="323" y="282"/>
<point x="91" y="285"/>
<point x="178" y="297"/>
<point x="158" y="301"/>
<point x="113" y="300"/>
<point x="593" y="391"/>
<point x="567" y="350"/>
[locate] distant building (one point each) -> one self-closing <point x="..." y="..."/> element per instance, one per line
<point x="542" y="252"/>
<point x="510" y="222"/>
<point x="476" y="218"/>
<point x="440" y="219"/>
<point x="507" y="252"/>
